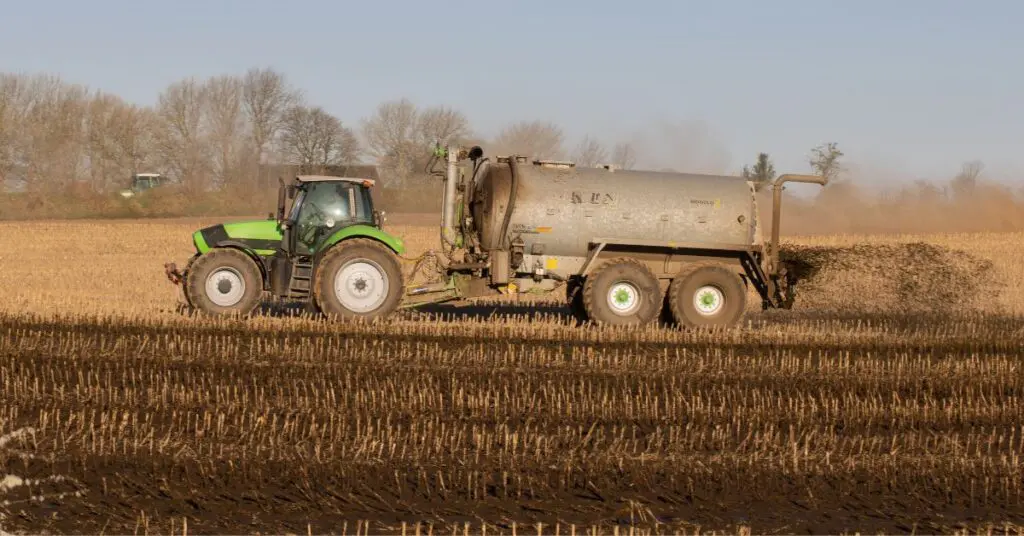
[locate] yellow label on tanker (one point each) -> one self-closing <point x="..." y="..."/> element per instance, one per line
<point x="550" y="263"/>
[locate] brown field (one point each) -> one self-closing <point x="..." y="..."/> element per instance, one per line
<point x="888" y="400"/>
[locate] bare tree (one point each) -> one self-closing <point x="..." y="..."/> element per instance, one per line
<point x="14" y="103"/>
<point x="391" y="137"/>
<point x="183" y="140"/>
<point x="966" y="181"/>
<point x="589" y="153"/>
<point x="134" y="136"/>
<point x="266" y="97"/>
<point x="59" y="135"/>
<point x="314" y="139"/>
<point x="226" y="118"/>
<point x="99" y="149"/>
<point x="623" y="155"/>
<point x="535" y="139"/>
<point x="52" y="128"/>
<point x="442" y="124"/>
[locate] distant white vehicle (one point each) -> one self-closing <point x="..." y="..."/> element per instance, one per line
<point x="142" y="182"/>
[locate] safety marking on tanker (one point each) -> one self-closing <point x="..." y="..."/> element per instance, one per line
<point x="529" y="229"/>
<point x="550" y="264"/>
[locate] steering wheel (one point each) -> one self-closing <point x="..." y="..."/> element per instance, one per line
<point x="313" y="224"/>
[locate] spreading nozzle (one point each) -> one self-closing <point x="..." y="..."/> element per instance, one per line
<point x="783" y="278"/>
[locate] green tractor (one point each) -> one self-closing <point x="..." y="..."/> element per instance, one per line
<point x="325" y="247"/>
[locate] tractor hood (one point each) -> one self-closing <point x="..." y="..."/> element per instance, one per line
<point x="261" y="236"/>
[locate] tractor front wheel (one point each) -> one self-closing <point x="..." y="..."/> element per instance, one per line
<point x="224" y="281"/>
<point x="358" y="278"/>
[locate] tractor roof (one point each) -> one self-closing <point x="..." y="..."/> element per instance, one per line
<point x="330" y="178"/>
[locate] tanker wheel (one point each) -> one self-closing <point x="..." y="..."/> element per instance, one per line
<point x="707" y="294"/>
<point x="622" y="292"/>
<point x="224" y="281"/>
<point x="358" y="278"/>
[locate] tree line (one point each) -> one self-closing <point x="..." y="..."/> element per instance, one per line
<point x="220" y="132"/>
<point x="62" y="142"/>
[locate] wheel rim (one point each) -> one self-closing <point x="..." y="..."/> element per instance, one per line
<point x="361" y="286"/>
<point x="225" y="287"/>
<point x="624" y="298"/>
<point x="708" y="300"/>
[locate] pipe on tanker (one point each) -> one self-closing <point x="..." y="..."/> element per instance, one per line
<point x="448" y="202"/>
<point x="773" y="266"/>
<point x="479" y="168"/>
<point x="513" y="166"/>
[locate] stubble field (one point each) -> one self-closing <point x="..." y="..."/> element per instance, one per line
<point x="888" y="400"/>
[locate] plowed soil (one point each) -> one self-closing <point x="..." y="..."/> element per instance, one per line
<point x="796" y="425"/>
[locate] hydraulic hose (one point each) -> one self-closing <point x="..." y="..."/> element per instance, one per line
<point x="468" y="197"/>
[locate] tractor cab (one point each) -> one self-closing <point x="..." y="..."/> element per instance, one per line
<point x="314" y="207"/>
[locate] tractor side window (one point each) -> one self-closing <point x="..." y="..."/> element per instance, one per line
<point x="364" y="204"/>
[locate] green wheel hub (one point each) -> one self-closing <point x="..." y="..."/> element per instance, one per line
<point x="708" y="300"/>
<point x="624" y="298"/>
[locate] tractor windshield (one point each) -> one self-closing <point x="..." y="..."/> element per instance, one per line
<point x="323" y="207"/>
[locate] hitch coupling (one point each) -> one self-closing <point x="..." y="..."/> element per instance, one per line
<point x="173" y="274"/>
<point x="177" y="278"/>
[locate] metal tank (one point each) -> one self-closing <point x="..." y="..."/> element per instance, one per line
<point x="559" y="209"/>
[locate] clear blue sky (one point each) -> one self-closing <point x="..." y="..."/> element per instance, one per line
<point x="908" y="87"/>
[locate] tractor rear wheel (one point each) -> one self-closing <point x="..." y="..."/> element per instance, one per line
<point x="224" y="281"/>
<point x="622" y="291"/>
<point x="358" y="278"/>
<point x="707" y="294"/>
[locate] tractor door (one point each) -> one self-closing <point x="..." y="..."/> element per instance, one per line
<point x="325" y="207"/>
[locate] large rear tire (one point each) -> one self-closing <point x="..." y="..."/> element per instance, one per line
<point x="707" y="294"/>
<point x="224" y="282"/>
<point x="358" y="278"/>
<point x="622" y="292"/>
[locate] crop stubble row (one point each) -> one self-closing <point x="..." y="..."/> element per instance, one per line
<point x="885" y="424"/>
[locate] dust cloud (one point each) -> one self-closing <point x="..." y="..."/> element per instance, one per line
<point x="914" y="208"/>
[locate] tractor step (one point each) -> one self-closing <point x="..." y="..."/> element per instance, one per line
<point x="299" y="286"/>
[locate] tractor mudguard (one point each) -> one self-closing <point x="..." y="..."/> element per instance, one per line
<point x="258" y="239"/>
<point x="366" y="231"/>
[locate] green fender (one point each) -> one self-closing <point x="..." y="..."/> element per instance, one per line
<point x="257" y="237"/>
<point x="366" y="231"/>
